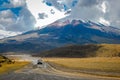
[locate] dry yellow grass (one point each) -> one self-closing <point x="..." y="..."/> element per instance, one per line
<point x="87" y="64"/>
<point x="11" y="67"/>
<point x="108" y="50"/>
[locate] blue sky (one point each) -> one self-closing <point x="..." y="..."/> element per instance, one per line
<point x="25" y="15"/>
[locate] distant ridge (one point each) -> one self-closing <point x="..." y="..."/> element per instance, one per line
<point x="82" y="51"/>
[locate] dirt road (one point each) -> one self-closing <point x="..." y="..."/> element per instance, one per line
<point x="45" y="72"/>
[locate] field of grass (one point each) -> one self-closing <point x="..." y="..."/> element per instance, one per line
<point x="88" y="65"/>
<point x="7" y="66"/>
<point x="11" y="67"/>
<point x="108" y="50"/>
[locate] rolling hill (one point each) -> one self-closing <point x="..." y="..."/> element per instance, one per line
<point x="82" y="51"/>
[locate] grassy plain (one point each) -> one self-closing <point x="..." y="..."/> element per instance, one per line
<point x="11" y="67"/>
<point x="8" y="67"/>
<point x="98" y="65"/>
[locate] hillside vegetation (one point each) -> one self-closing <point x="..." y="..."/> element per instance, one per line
<point x="8" y="65"/>
<point x="81" y="51"/>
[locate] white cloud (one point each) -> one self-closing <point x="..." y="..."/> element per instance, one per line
<point x="4" y="33"/>
<point x="6" y="13"/>
<point x="13" y="4"/>
<point x="24" y="22"/>
<point x="92" y="10"/>
<point x="103" y="21"/>
<point x="6" y="18"/>
<point x="6" y="21"/>
<point x="37" y="6"/>
<point x="2" y="27"/>
<point x="17" y="3"/>
<point x="104" y="7"/>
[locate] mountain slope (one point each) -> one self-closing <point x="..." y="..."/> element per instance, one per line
<point x="75" y="31"/>
<point x="61" y="33"/>
<point x="91" y="50"/>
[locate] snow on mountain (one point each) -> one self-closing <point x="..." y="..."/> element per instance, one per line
<point x="61" y="33"/>
<point x="87" y="24"/>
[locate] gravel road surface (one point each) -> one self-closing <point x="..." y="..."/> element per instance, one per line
<point x="44" y="72"/>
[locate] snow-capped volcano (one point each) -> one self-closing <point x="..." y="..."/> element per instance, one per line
<point x="61" y="33"/>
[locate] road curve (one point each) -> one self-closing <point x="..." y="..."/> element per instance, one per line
<point x="44" y="72"/>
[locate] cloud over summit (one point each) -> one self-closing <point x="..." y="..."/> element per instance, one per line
<point x="14" y="16"/>
<point x="24" y="15"/>
<point x="104" y="11"/>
